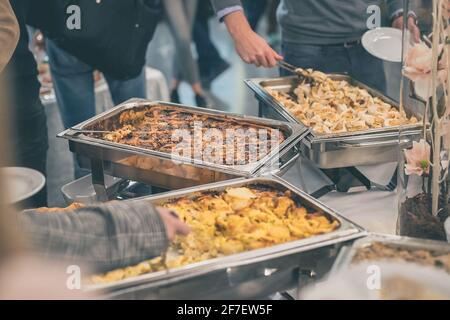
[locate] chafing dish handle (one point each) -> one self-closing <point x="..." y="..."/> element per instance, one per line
<point x="387" y="143"/>
<point x="282" y="168"/>
<point x="98" y="180"/>
<point x="264" y="97"/>
<point x="287" y="165"/>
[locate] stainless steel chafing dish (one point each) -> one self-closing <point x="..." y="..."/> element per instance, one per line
<point x="341" y="150"/>
<point x="165" y="170"/>
<point x="348" y="253"/>
<point x="252" y="274"/>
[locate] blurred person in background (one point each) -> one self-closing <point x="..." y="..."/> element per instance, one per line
<point x="181" y="15"/>
<point x="254" y="10"/>
<point x="9" y="35"/>
<point x="28" y="119"/>
<point x="319" y="34"/>
<point x="74" y="84"/>
<point x="74" y="56"/>
<point x="210" y="62"/>
<point x="272" y="28"/>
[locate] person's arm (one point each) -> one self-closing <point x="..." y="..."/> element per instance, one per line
<point x="9" y="33"/>
<point x="225" y="7"/>
<point x="249" y="45"/>
<point x="395" y="10"/>
<point x="107" y="236"/>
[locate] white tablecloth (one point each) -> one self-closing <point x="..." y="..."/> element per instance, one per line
<point x="376" y="211"/>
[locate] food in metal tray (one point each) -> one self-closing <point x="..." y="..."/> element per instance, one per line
<point x="73" y="206"/>
<point x="380" y="251"/>
<point x="334" y="106"/>
<point x="233" y="221"/>
<point x="405" y="288"/>
<point x="161" y="128"/>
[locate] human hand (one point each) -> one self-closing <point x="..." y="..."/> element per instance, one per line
<point x="252" y="48"/>
<point x="174" y="226"/>
<point x="412" y="27"/>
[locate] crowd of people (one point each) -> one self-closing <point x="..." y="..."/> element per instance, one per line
<point x="324" y="35"/>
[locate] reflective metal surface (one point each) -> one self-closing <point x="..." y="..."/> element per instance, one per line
<point x="169" y="171"/>
<point x="341" y="150"/>
<point x="251" y="274"/>
<point x="347" y="254"/>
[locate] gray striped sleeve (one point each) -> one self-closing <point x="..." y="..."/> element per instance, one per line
<point x="107" y="236"/>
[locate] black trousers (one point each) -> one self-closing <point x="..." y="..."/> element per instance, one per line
<point x="29" y="134"/>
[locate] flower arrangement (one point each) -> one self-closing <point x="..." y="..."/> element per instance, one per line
<point x="426" y="66"/>
<point x="418" y="159"/>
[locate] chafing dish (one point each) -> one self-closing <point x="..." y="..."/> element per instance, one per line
<point x="347" y="254"/>
<point x="252" y="274"/>
<point x="163" y="169"/>
<point x="340" y="150"/>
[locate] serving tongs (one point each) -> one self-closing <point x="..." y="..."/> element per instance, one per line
<point x="304" y="75"/>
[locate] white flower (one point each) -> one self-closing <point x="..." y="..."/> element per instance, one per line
<point x="418" y="65"/>
<point x="418" y="159"/>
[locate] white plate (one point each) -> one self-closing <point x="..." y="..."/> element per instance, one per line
<point x="384" y="43"/>
<point x="21" y="183"/>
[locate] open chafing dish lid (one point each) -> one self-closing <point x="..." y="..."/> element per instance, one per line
<point x="297" y="133"/>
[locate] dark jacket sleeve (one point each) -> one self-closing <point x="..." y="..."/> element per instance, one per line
<point x="106" y="237"/>
<point x="223" y="4"/>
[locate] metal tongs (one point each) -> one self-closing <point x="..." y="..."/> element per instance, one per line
<point x="83" y="131"/>
<point x="304" y="75"/>
<point x="90" y="131"/>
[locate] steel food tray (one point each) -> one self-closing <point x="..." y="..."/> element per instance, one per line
<point x="330" y="151"/>
<point x="348" y="253"/>
<point x="252" y="274"/>
<point x="169" y="171"/>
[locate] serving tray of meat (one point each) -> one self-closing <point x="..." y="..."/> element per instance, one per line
<point x="176" y="146"/>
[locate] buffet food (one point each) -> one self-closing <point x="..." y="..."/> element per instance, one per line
<point x="331" y="106"/>
<point x="236" y="220"/>
<point x="161" y="128"/>
<point x="73" y="206"/>
<point x="407" y="288"/>
<point x="380" y="251"/>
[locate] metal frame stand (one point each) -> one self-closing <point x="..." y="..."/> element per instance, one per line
<point x="98" y="180"/>
<point x="343" y="180"/>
